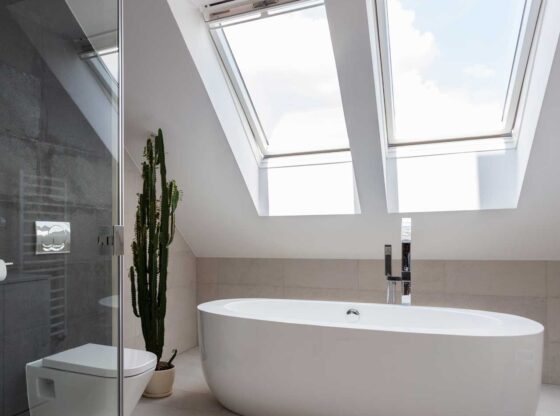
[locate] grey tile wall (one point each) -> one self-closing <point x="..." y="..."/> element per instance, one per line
<point x="43" y="133"/>
<point x="526" y="288"/>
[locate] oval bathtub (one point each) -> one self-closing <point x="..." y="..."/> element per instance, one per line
<point x="267" y="357"/>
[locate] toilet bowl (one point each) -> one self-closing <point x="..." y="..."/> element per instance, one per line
<point x="83" y="381"/>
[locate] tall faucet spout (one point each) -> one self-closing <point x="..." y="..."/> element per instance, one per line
<point x="406" y="272"/>
<point x="404" y="296"/>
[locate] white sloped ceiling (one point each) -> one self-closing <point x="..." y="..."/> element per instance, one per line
<point x="162" y="88"/>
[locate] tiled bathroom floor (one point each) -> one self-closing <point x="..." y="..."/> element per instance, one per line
<point x="193" y="398"/>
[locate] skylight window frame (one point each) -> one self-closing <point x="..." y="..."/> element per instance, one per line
<point x="94" y="60"/>
<point x="498" y="140"/>
<point x="239" y="89"/>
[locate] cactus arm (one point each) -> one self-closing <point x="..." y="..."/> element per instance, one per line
<point x="174" y="198"/>
<point x="151" y="222"/>
<point x="133" y="292"/>
<point x="164" y="227"/>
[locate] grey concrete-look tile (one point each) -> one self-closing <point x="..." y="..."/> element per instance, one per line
<point x="528" y="307"/>
<point x="96" y="328"/>
<point x="16" y="48"/>
<point x="371" y="274"/>
<point x="551" y="365"/>
<point x="2" y="332"/>
<point x="207" y="270"/>
<point x="67" y="125"/>
<point x="338" y="295"/>
<point x="88" y="177"/>
<point x="26" y="304"/>
<point x="17" y="156"/>
<point x="20" y="349"/>
<point x="328" y="274"/>
<point x="20" y="100"/>
<point x="498" y="278"/>
<point x="553" y="319"/>
<point x="269" y="272"/>
<point x="430" y="299"/>
<point x="87" y="284"/>
<point x="310" y="293"/>
<point x="428" y="276"/>
<point x="205" y="292"/>
<point x="553" y="278"/>
<point x="86" y="223"/>
<point x="249" y="291"/>
<point x="11" y="226"/>
<point x="181" y="272"/>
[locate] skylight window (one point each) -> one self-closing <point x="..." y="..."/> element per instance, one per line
<point x="453" y="69"/>
<point x="111" y="62"/>
<point x="281" y="65"/>
<point x="105" y="65"/>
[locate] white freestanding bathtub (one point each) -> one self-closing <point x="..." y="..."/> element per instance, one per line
<point x="267" y="357"/>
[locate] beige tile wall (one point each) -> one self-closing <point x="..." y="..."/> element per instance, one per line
<point x="181" y="291"/>
<point x="526" y="288"/>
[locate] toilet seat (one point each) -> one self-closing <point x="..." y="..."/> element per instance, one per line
<point x="101" y="361"/>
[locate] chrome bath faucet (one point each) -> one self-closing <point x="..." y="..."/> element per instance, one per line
<point x="404" y="281"/>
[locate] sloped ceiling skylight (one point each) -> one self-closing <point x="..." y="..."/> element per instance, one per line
<point x="111" y="62"/>
<point x="444" y="72"/>
<point x="455" y="68"/>
<point x="459" y="88"/>
<point x="283" y="68"/>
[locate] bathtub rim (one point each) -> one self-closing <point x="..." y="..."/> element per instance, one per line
<point x="530" y="326"/>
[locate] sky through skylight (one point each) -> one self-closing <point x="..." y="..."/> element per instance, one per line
<point x="450" y="66"/>
<point x="288" y="66"/>
<point x="111" y="62"/>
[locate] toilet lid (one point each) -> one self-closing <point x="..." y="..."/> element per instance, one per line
<point x="101" y="361"/>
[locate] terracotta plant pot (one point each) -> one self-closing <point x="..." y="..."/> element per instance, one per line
<point x="161" y="384"/>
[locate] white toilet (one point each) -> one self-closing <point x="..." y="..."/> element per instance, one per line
<point x="83" y="381"/>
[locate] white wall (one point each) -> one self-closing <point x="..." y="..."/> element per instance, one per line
<point x="181" y="291"/>
<point x="163" y="88"/>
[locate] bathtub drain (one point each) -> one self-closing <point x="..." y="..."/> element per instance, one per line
<point x="352" y="315"/>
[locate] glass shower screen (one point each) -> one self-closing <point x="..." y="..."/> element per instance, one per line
<point x="59" y="199"/>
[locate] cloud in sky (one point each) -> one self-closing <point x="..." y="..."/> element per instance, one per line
<point x="288" y="66"/>
<point x="425" y="107"/>
<point x="479" y="71"/>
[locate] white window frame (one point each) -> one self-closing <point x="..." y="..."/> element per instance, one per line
<point x="499" y="140"/>
<point x="450" y="178"/>
<point x="219" y="19"/>
<point x="103" y="74"/>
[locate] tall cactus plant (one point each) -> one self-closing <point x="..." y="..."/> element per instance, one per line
<point x="154" y="232"/>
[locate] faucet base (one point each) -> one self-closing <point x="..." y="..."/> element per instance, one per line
<point x="393" y="292"/>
